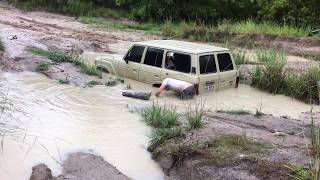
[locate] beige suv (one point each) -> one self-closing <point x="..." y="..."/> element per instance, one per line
<point x="209" y="68"/>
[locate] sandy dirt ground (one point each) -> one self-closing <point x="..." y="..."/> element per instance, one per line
<point x="286" y="138"/>
<point x="80" y="166"/>
<point x="20" y="30"/>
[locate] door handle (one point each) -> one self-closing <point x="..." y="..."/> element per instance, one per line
<point x="222" y="81"/>
<point x="134" y="70"/>
<point x="156" y="76"/>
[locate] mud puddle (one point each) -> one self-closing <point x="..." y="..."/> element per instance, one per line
<point x="60" y="119"/>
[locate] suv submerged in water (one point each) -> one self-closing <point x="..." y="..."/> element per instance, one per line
<point x="209" y="68"/>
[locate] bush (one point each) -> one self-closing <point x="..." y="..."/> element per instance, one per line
<point x="43" y="66"/>
<point x="270" y="77"/>
<point x="160" y="117"/>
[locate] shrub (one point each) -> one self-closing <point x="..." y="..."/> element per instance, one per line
<point x="111" y="82"/>
<point x="160" y="117"/>
<point x="270" y="77"/>
<point x="43" y="66"/>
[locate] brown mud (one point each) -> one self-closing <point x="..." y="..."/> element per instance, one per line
<point x="284" y="139"/>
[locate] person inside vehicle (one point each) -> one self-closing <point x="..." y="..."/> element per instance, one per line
<point x="169" y="61"/>
<point x="184" y="89"/>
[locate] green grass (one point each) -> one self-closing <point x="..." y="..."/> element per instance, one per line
<point x="61" y="57"/>
<point x="160" y="116"/>
<point x="93" y="83"/>
<point x="240" y="58"/>
<point x="299" y="172"/>
<point x="265" y="28"/>
<point x="2" y="47"/>
<point x="102" y="23"/>
<point x="43" y="66"/>
<point x="272" y="78"/>
<point x="235" y="111"/>
<point x="160" y="135"/>
<point x="195" y="114"/>
<point x="216" y="150"/>
<point x="229" y="145"/>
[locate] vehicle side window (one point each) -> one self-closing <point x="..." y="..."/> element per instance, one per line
<point x="135" y="54"/>
<point x="178" y="62"/>
<point x="154" y="57"/>
<point x="207" y="64"/>
<point x="225" y="62"/>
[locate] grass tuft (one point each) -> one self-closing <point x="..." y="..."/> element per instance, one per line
<point x="60" y="57"/>
<point x="160" y="117"/>
<point x="43" y="66"/>
<point x="160" y="135"/>
<point x="195" y="114"/>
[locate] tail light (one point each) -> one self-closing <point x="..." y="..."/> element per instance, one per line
<point x="196" y="86"/>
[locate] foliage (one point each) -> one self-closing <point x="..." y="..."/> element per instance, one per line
<point x="160" y="116"/>
<point x="111" y="82"/>
<point x="60" y="57"/>
<point x="195" y="114"/>
<point x="285" y="12"/>
<point x="240" y="57"/>
<point x="43" y="66"/>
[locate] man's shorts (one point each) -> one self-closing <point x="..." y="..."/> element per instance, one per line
<point x="188" y="93"/>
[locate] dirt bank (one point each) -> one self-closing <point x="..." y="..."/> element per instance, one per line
<point x="80" y="166"/>
<point x="21" y="30"/>
<point x="205" y="153"/>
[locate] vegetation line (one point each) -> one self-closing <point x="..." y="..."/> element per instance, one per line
<point x="60" y="57"/>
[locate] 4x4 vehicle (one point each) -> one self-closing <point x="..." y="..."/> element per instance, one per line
<point x="209" y="68"/>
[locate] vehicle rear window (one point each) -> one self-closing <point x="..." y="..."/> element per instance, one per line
<point x="207" y="64"/>
<point x="225" y="62"/>
<point x="135" y="54"/>
<point x="181" y="62"/>
<point x="154" y="57"/>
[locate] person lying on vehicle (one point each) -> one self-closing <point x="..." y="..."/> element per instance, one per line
<point x="169" y="61"/>
<point x="184" y="89"/>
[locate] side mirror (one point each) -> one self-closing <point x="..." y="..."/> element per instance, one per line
<point x="126" y="60"/>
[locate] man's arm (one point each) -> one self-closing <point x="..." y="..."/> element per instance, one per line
<point x="161" y="88"/>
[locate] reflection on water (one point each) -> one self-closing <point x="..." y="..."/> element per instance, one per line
<point x="63" y="118"/>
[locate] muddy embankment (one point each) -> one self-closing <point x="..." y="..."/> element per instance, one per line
<point x="235" y="147"/>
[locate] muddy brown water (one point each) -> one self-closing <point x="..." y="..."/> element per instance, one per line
<point x="61" y="119"/>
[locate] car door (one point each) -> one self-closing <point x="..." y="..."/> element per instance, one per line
<point x="150" y="69"/>
<point x="181" y="68"/>
<point x="208" y="73"/>
<point x="227" y="71"/>
<point x="130" y="67"/>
